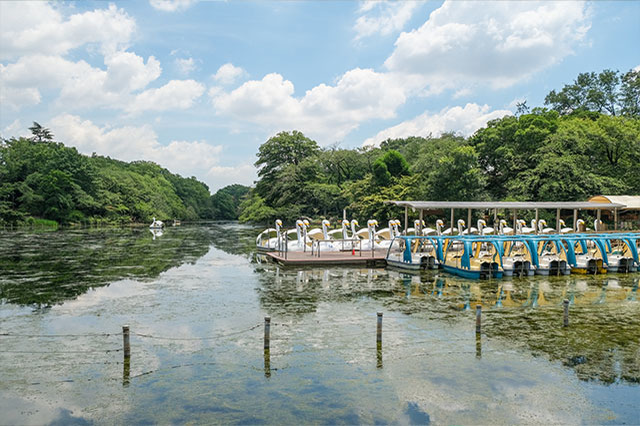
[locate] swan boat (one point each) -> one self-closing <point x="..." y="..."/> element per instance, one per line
<point x="473" y="257"/>
<point x="414" y="253"/>
<point x="549" y="255"/>
<point x="156" y="224"/>
<point x="517" y="256"/>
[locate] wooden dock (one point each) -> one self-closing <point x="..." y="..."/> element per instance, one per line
<point x="298" y="258"/>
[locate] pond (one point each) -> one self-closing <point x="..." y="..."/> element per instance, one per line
<point x="195" y="299"/>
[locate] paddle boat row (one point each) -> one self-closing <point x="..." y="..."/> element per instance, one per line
<point x="301" y="238"/>
<point x="477" y="256"/>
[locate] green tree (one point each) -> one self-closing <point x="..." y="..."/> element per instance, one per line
<point x="276" y="154"/>
<point x="396" y="163"/>
<point x="630" y="94"/>
<point x="40" y="133"/>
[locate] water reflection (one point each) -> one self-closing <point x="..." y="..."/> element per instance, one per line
<point x="44" y="270"/>
<point x="603" y="330"/>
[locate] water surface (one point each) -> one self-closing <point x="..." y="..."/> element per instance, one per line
<point x="195" y="299"/>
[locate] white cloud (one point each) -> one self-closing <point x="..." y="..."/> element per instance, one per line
<point x="637" y="68"/>
<point x="465" y="120"/>
<point x="131" y="143"/>
<point x="15" y="129"/>
<point x="30" y="28"/>
<point x="498" y="43"/>
<point x="176" y="94"/>
<point x="127" y="71"/>
<point x="221" y="176"/>
<point x="324" y="112"/>
<point x="185" y="66"/>
<point x="228" y="74"/>
<point x="78" y="84"/>
<point x="171" y="5"/>
<point x="391" y="17"/>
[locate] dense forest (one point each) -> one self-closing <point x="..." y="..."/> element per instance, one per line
<point x="44" y="182"/>
<point x="584" y="141"/>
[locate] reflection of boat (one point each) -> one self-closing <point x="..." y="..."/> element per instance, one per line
<point x="156" y="232"/>
<point x="156" y="224"/>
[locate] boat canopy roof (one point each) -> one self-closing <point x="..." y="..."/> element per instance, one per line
<point x="631" y="202"/>
<point x="510" y="205"/>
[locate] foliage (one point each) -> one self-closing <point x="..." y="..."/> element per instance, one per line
<point x="226" y="202"/>
<point x="604" y="93"/>
<point x="587" y="144"/>
<point x="46" y="180"/>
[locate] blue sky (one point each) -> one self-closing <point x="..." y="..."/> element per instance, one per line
<point x="198" y="86"/>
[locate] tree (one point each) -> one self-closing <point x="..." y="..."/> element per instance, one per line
<point x="630" y="94"/>
<point x="396" y="164"/>
<point x="277" y="153"/>
<point x="40" y="133"/>
<point x="381" y="175"/>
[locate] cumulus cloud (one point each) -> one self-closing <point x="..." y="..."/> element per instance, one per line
<point x="228" y="74"/>
<point x="465" y="120"/>
<point x="176" y="94"/>
<point x="498" y="43"/>
<point x="325" y="112"/>
<point x="78" y="84"/>
<point x="131" y="143"/>
<point x="30" y="28"/>
<point x="383" y="17"/>
<point x="171" y="5"/>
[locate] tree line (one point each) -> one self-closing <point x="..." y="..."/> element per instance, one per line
<point x="584" y="141"/>
<point x="44" y="181"/>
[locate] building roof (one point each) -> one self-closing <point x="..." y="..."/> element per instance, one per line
<point x="509" y="205"/>
<point x="631" y="202"/>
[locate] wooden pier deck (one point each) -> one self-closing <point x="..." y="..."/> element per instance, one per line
<point x="297" y="258"/>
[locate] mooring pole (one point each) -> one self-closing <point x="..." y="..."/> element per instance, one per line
<point x="125" y="340"/>
<point x="126" y="365"/>
<point x="379" y="341"/>
<point x="566" y="313"/>
<point x="478" y="345"/>
<point x="478" y="319"/>
<point x="558" y="221"/>
<point x="267" y="331"/>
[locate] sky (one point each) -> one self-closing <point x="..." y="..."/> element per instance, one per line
<point x="198" y="86"/>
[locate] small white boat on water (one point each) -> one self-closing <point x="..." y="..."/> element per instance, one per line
<point x="156" y="224"/>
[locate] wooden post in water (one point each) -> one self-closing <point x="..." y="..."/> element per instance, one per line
<point x="267" y="332"/>
<point x="126" y="366"/>
<point x="537" y="219"/>
<point x="125" y="339"/>
<point x="566" y="313"/>
<point x="558" y="221"/>
<point x="379" y="341"/>
<point x="469" y="219"/>
<point x="478" y="319"/>
<point x="575" y="220"/>
<point x="478" y="345"/>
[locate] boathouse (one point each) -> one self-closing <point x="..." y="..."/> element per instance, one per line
<point x="604" y="204"/>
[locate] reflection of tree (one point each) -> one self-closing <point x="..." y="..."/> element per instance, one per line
<point x="45" y="269"/>
<point x="601" y="342"/>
